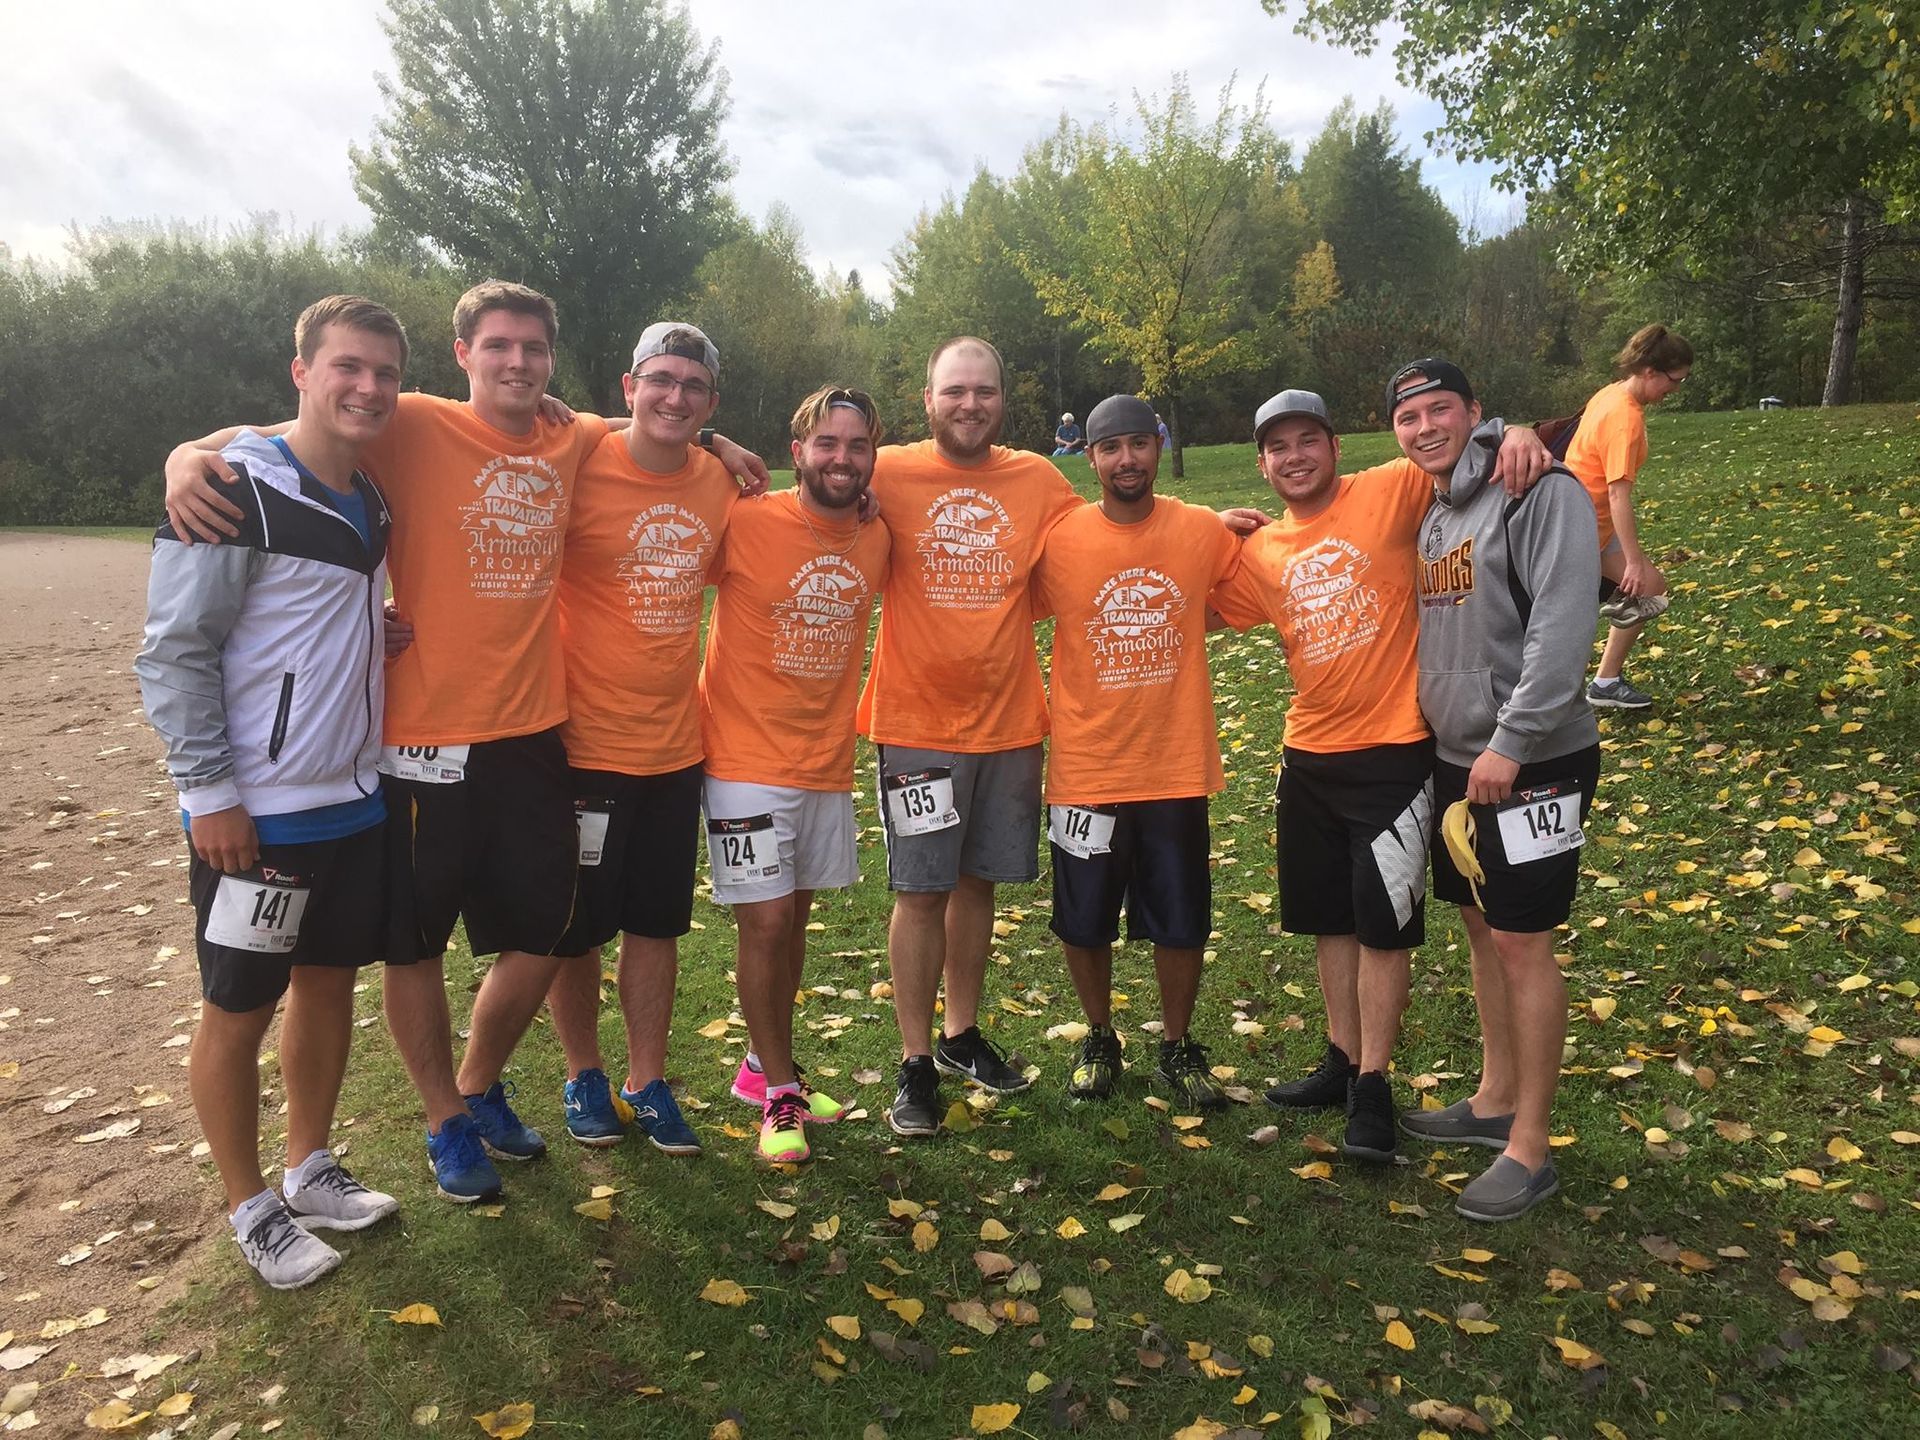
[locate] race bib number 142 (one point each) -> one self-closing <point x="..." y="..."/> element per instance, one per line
<point x="1540" y="821"/>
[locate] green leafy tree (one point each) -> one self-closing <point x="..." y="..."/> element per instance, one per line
<point x="1147" y="262"/>
<point x="1659" y="131"/>
<point x="1388" y="229"/>
<point x="572" y="145"/>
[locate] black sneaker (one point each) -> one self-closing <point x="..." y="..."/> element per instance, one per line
<point x="916" y="1098"/>
<point x="1185" y="1070"/>
<point x="1370" y="1120"/>
<point x="1325" y="1089"/>
<point x="1099" y="1067"/>
<point x="972" y="1056"/>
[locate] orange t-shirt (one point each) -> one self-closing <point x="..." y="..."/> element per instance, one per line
<point x="638" y="549"/>
<point x="789" y="626"/>
<point x="954" y="666"/>
<point x="478" y="519"/>
<point x="1610" y="446"/>
<point x="1340" y="590"/>
<point x="1132" y="699"/>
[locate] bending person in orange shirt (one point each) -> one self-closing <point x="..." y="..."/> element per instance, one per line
<point x="1127" y="580"/>
<point x="795" y="580"/>
<point x="1352" y="805"/>
<point x="1606" y="452"/>
<point x="648" y="520"/>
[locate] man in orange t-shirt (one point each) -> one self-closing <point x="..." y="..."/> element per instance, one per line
<point x="1353" y="803"/>
<point x="648" y="517"/>
<point x="1127" y="580"/>
<point x="955" y="704"/>
<point x="480" y="804"/>
<point x="795" y="580"/>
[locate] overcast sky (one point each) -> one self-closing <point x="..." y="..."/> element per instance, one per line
<point x="856" y="117"/>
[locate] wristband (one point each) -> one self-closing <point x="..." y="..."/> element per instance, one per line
<point x="706" y="438"/>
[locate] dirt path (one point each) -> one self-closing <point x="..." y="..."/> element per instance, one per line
<point x="98" y="988"/>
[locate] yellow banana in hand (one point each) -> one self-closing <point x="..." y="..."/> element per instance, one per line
<point x="1457" y="828"/>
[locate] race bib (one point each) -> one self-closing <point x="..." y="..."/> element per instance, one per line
<point x="593" y="831"/>
<point x="920" y="801"/>
<point x="1082" y="831"/>
<point x="1540" y="821"/>
<point x="257" y="914"/>
<point x="743" y="850"/>
<point x="429" y="764"/>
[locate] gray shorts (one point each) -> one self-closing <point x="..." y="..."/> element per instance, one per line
<point x="948" y="815"/>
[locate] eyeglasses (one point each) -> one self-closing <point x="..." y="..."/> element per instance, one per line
<point x="662" y="383"/>
<point x="1673" y="379"/>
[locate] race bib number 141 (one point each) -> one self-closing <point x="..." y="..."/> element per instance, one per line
<point x="256" y="914"/>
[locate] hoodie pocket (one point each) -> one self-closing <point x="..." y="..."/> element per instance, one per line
<point x="1459" y="705"/>
<point x="281" y="715"/>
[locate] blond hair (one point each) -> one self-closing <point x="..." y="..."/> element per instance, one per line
<point x="502" y="295"/>
<point x="813" y="411"/>
<point x="353" y="312"/>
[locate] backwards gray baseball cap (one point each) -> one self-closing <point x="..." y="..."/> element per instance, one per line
<point x="1120" y="415"/>
<point x="672" y="337"/>
<point x="1289" y="403"/>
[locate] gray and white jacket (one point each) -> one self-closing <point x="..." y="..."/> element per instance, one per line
<point x="263" y="666"/>
<point x="1507" y="597"/>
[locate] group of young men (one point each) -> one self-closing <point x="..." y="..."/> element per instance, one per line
<point x="526" y="740"/>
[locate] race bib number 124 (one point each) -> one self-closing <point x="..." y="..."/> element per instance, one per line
<point x="743" y="850"/>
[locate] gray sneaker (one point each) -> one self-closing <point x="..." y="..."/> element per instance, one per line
<point x="283" y="1254"/>
<point x="1617" y="694"/>
<point x="1630" y="610"/>
<point x="1458" y="1125"/>
<point x="1506" y="1191"/>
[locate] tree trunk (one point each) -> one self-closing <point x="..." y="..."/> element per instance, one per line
<point x="1173" y="429"/>
<point x="1847" y="307"/>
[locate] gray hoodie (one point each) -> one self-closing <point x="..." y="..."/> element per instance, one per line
<point x="1508" y="591"/>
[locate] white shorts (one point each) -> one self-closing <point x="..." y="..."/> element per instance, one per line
<point x="765" y="842"/>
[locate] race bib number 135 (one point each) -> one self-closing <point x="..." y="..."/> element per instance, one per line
<point x="1540" y="821"/>
<point x="920" y="801"/>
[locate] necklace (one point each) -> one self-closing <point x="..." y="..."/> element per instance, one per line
<point x="822" y="541"/>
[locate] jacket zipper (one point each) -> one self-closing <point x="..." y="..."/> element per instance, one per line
<point x="280" y="717"/>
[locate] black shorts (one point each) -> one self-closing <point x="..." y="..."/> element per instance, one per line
<point x="498" y="849"/>
<point x="1155" y="866"/>
<point x="1351" y="833"/>
<point x="1533" y="895"/>
<point x="639" y="877"/>
<point x="341" y="921"/>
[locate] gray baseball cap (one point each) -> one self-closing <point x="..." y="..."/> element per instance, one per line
<point x="1288" y="403"/>
<point x="673" y="337"/>
<point x="1120" y="415"/>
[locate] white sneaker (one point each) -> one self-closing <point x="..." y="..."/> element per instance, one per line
<point x="331" y="1199"/>
<point x="284" y="1255"/>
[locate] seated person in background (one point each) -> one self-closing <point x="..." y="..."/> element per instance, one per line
<point x="1068" y="440"/>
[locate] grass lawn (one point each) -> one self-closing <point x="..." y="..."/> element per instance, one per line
<point x="1735" y="1252"/>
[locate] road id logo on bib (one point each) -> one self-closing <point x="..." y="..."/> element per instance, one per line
<point x="428" y="764"/>
<point x="257" y="913"/>
<point x="1541" y="821"/>
<point x="920" y="801"/>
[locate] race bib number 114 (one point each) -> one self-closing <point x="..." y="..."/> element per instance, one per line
<point x="1081" y="830"/>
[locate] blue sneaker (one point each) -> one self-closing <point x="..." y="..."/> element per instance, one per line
<point x="460" y="1165"/>
<point x="500" y="1129"/>
<point x="656" y="1113"/>
<point x="591" y="1116"/>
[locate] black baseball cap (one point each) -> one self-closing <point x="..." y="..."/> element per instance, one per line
<point x="1120" y="415"/>
<point x="1439" y="375"/>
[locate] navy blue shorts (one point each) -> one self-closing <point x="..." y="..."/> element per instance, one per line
<point x="1155" y="868"/>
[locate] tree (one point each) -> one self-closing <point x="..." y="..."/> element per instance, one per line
<point x="1659" y="131"/>
<point x="1146" y="262"/>
<point x="573" y="145"/>
<point x="1388" y="230"/>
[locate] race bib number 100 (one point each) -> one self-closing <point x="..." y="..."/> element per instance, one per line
<point x="258" y="915"/>
<point x="1540" y="821"/>
<point x="1080" y="830"/>
<point x="743" y="850"/>
<point x="428" y="764"/>
<point x="920" y="801"/>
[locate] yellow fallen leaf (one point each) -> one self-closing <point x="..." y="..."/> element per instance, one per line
<point x="1313" y="1170"/>
<point x="1186" y="1288"/>
<point x="1843" y="1149"/>
<point x="1201" y="1429"/>
<point x="1854" y="982"/>
<point x="1038" y="1381"/>
<point x="960" y="1118"/>
<point x="425" y="1415"/>
<point x="115" y="1415"/>
<point x="994" y="1230"/>
<point x="509" y="1422"/>
<point x="178" y="1403"/>
<point x="1603" y="1006"/>
<point x="925" y="1237"/>
<point x="1574" y="1353"/>
<point x="1477" y="1257"/>
<point x="904" y="1209"/>
<point x="778" y="1209"/>
<point x="1124" y="1222"/>
<point x="1261" y="1345"/>
<point x="601" y="1209"/>
<point x="826" y="1229"/>
<point x="724" y="1292"/>
<point x="1398" y="1335"/>
<point x="1070" y="1229"/>
<point x="714" y="1029"/>
<point x="907" y="1309"/>
<point x="1904" y="1137"/>
<point x="417" y="1313"/>
<point x="1114" y="1192"/>
<point x="727" y="1429"/>
<point x="992" y="1419"/>
<point x="1477" y="1327"/>
<point x="847" y="1327"/>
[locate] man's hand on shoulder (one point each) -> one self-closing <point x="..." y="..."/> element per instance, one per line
<point x="745" y="466"/>
<point x="556" y="411"/>
<point x="226" y="840"/>
<point x="1521" y="461"/>
<point x="194" y="508"/>
<point x="1243" y="520"/>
